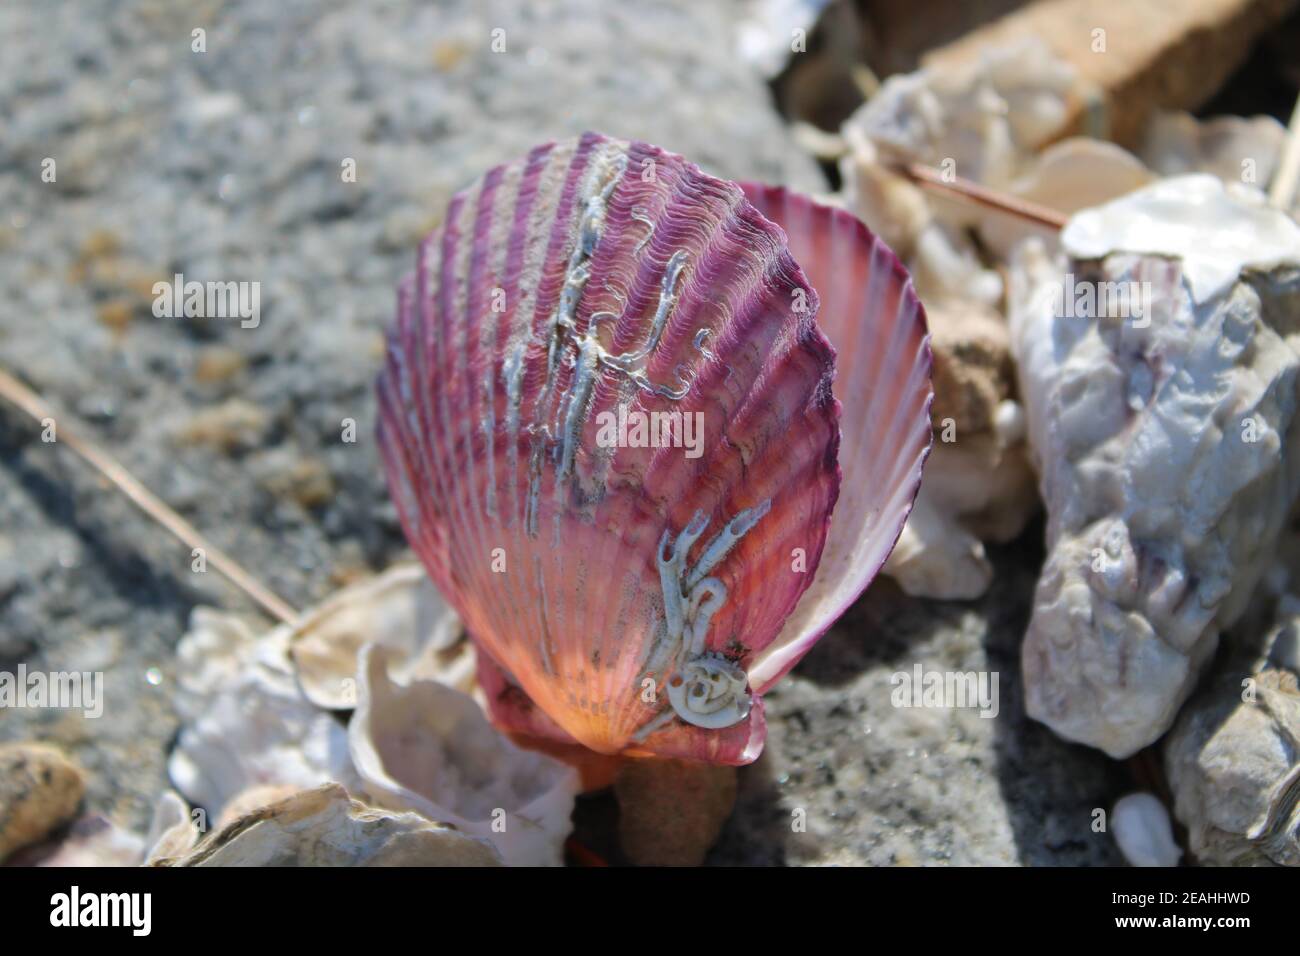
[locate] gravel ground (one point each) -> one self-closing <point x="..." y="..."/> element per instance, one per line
<point x="225" y="165"/>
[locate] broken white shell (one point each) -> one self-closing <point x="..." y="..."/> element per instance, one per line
<point x="400" y="609"/>
<point x="427" y="747"/>
<point x="985" y="118"/>
<point x="936" y="557"/>
<point x="325" y="827"/>
<point x="254" y="735"/>
<point x="1215" y="233"/>
<point x="213" y="652"/>
<point x="1234" y="148"/>
<point x="173" y="831"/>
<point x="248" y="722"/>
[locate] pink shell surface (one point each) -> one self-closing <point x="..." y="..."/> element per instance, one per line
<point x="545" y="299"/>
<point x="872" y="316"/>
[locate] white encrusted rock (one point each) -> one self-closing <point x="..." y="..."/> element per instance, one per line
<point x="1162" y="432"/>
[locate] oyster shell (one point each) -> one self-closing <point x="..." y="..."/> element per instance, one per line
<point x="624" y="592"/>
<point x="423" y="746"/>
<point x="247" y="722"/>
<point x="173" y="831"/>
<point x="326" y="827"/>
<point x="1162" y="439"/>
<point x="400" y="609"/>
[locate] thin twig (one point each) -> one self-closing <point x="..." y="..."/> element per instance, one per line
<point x="1287" y="177"/>
<point x="30" y="403"/>
<point x="964" y="189"/>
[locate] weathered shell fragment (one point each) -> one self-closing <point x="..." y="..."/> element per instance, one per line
<point x="247" y="721"/>
<point x="216" y="649"/>
<point x="251" y="736"/>
<point x="986" y="118"/>
<point x="426" y="747"/>
<point x="173" y="831"/>
<point x="399" y="609"/>
<point x="984" y="122"/>
<point x="1233" y="758"/>
<point x="254" y="738"/>
<point x="254" y="798"/>
<point x="1237" y="149"/>
<point x="1160" y="421"/>
<point x="325" y="827"/>
<point x="1142" y="829"/>
<point x="609" y="428"/>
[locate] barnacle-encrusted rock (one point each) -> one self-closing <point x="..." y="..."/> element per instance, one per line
<point x="1159" y="367"/>
<point x="326" y="827"/>
<point x="40" y="790"/>
<point x="1233" y="758"/>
